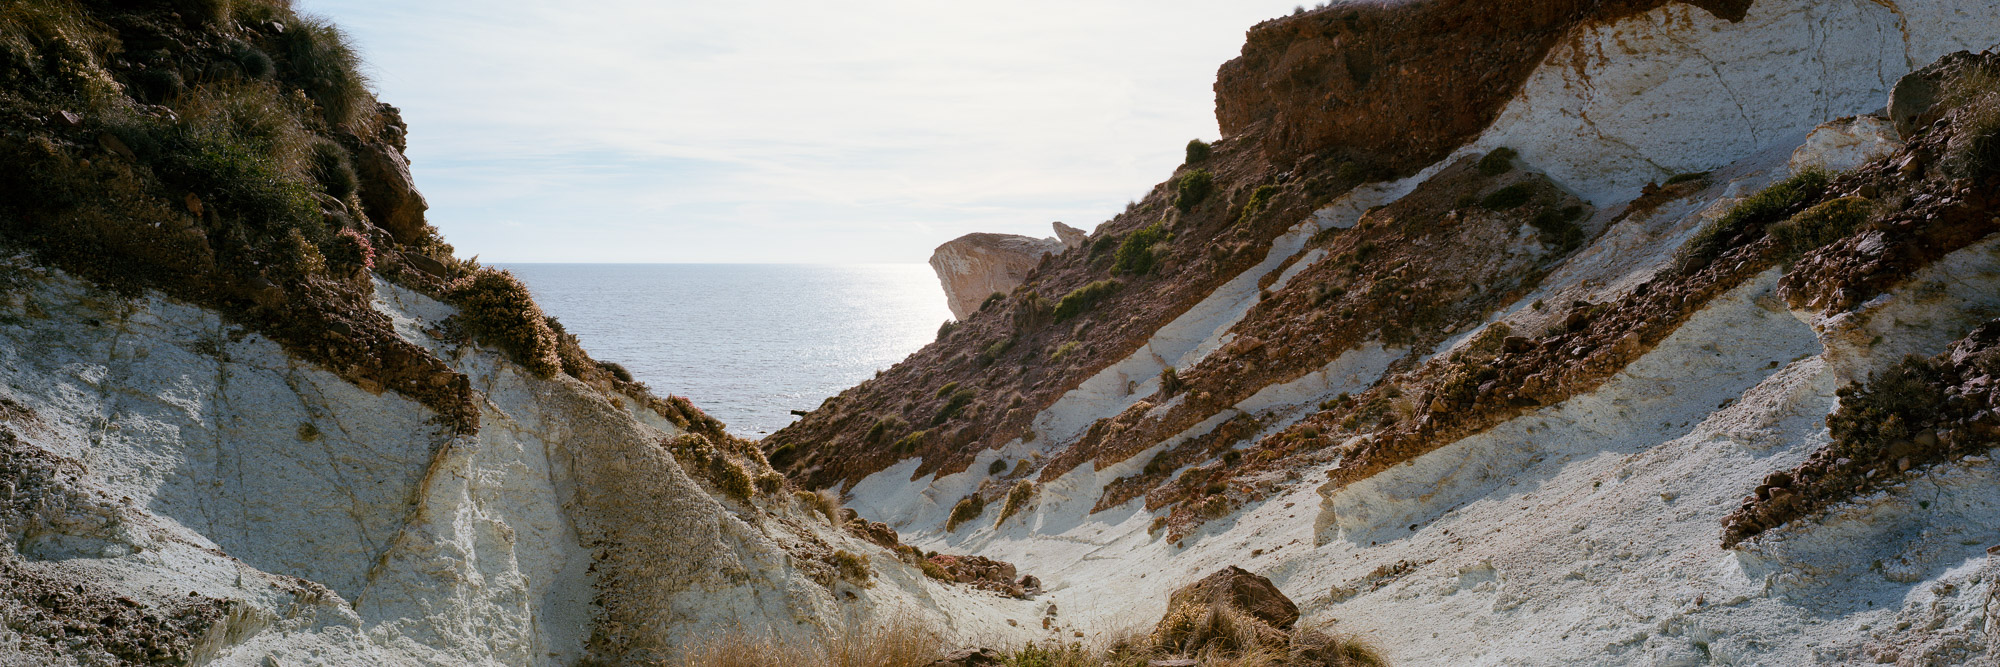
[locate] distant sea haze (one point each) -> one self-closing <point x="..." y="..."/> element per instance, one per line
<point x="748" y="343"/>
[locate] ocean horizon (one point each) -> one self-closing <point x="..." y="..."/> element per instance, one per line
<point x="748" y="343"/>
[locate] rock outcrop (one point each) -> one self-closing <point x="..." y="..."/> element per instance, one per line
<point x="976" y="266"/>
<point x="1071" y="237"/>
<point x="1521" y="358"/>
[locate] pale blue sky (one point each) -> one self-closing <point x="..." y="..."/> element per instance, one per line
<point x="858" y="131"/>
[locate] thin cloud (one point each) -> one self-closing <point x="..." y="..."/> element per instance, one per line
<point x="866" y="131"/>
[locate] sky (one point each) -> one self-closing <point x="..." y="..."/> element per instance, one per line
<point x="860" y="131"/>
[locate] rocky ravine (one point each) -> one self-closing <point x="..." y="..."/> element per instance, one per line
<point x="1543" y="378"/>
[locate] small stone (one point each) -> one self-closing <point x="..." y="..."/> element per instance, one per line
<point x="1902" y="464"/>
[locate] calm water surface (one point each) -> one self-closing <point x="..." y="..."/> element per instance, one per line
<point x="746" y="342"/>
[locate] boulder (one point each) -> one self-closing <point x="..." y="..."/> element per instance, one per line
<point x="1230" y="606"/>
<point x="974" y="266"/>
<point x="1072" y="238"/>
<point x="387" y="193"/>
<point x="1846" y="143"/>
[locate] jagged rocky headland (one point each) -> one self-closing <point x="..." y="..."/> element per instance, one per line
<point x="1582" y="332"/>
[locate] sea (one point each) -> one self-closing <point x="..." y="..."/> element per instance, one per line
<point x="748" y="343"/>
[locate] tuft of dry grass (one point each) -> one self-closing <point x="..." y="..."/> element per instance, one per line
<point x="897" y="643"/>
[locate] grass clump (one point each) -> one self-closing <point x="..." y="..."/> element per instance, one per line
<point x="1890" y="408"/>
<point x="1259" y="198"/>
<point x="699" y="456"/>
<point x="1139" y="254"/>
<point x="1082" y="298"/>
<point x="1558" y="228"/>
<point x="967" y="509"/>
<point x="881" y="429"/>
<point x="496" y="308"/>
<point x="1064" y="350"/>
<point x="992" y="352"/>
<point x="909" y="443"/>
<point x="1017" y="500"/>
<point x="953" y="406"/>
<point x="821" y="502"/>
<point x="894" y="643"/>
<point x="320" y="60"/>
<point x="996" y="297"/>
<point x="1820" y="225"/>
<point x="945" y="329"/>
<point x="1774" y="203"/>
<point x="1197" y="151"/>
<point x="770" y="482"/>
<point x="1191" y="188"/>
<point x="1508" y="198"/>
<point x="1498" y="162"/>
<point x="1170" y="382"/>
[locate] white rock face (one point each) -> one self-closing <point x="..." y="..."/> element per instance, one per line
<point x="347" y="528"/>
<point x="975" y="266"/>
<point x="1588" y="532"/>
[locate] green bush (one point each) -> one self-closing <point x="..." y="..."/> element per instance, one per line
<point x="933" y="570"/>
<point x="1103" y="243"/>
<point x="1820" y="225"/>
<point x="1064" y="350"/>
<point x="945" y="390"/>
<point x="1197" y="151"/>
<point x="882" y="428"/>
<point x="1082" y="298"/>
<point x="1259" y="198"/>
<point x="1498" y="162"/>
<point x="1351" y="172"/>
<point x="770" y="483"/>
<point x="1170" y="382"/>
<point x="946" y="328"/>
<point x="1510" y="197"/>
<point x="1774" y="203"/>
<point x="953" y="406"/>
<point x="1191" y="188"/>
<point x="1678" y="179"/>
<point x="498" y="310"/>
<point x="996" y="467"/>
<point x="967" y="509"/>
<point x="1139" y="255"/>
<point x="996" y="297"/>
<point x="1892" y="407"/>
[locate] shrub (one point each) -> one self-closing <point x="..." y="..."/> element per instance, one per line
<point x="1197" y="151"/>
<point x="1979" y="154"/>
<point x="1138" y="255"/>
<point x="992" y="352"/>
<point x="996" y="297"/>
<point x="996" y="467"/>
<point x="770" y="482"/>
<point x="946" y="328"/>
<point x="1259" y="198"/>
<point x="853" y="567"/>
<point x="1017" y="500"/>
<point x="881" y="429"/>
<point x="1191" y="188"/>
<point x="1820" y="225"/>
<point x="895" y="642"/>
<point x="1170" y="382"/>
<point x="953" y="406"/>
<point x="333" y="169"/>
<point x="1082" y="298"/>
<point x="1559" y="228"/>
<point x="1890" y="408"/>
<point x="934" y="570"/>
<point x="967" y="509"/>
<point x="1064" y="350"/>
<point x="253" y="62"/>
<point x="730" y="477"/>
<point x="1498" y="162"/>
<point x="350" y="248"/>
<point x="1510" y="197"/>
<point x="1103" y="243"/>
<point x="496" y="308"/>
<point x="1774" y="203"/>
<point x="1351" y="172"/>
